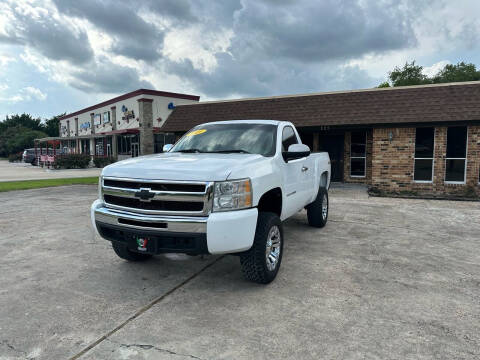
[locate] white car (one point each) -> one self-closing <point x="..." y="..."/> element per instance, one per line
<point x="223" y="188"/>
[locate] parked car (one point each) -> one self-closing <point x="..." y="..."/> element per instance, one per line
<point x="29" y="156"/>
<point x="223" y="188"/>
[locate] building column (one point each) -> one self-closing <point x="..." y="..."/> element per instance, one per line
<point x="92" y="146"/>
<point x="114" y="117"/>
<point x="114" y="146"/>
<point x="146" y="126"/>
<point x="92" y="125"/>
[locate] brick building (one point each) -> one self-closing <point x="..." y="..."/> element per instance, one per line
<point x="422" y="139"/>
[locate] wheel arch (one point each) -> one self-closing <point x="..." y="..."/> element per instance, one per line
<point x="271" y="201"/>
<point x="324" y="180"/>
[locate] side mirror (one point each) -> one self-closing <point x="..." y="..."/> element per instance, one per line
<point x="296" y="151"/>
<point x="167" y="147"/>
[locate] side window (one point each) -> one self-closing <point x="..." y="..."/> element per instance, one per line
<point x="456" y="161"/>
<point x="358" y="154"/>
<point x="288" y="138"/>
<point x="424" y="148"/>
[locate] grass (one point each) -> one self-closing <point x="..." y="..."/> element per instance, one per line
<point x="36" y="184"/>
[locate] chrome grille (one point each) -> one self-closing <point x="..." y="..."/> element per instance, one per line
<point x="161" y="197"/>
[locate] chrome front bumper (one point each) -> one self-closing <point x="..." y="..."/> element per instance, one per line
<point x="224" y="232"/>
<point x="150" y="222"/>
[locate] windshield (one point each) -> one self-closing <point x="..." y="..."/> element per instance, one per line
<point x="229" y="138"/>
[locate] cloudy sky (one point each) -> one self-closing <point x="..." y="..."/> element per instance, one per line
<point x="61" y="55"/>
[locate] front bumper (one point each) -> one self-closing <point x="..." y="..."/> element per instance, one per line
<point x="218" y="233"/>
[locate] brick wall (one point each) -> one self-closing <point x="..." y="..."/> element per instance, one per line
<point x="346" y="167"/>
<point x="393" y="162"/>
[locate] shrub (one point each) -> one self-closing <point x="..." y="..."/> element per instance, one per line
<point x="72" y="161"/>
<point x="101" y="161"/>
<point x="15" y="157"/>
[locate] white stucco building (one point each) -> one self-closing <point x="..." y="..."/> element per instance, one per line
<point x="122" y="127"/>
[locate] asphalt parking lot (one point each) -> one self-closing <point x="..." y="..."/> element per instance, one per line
<point x="385" y="279"/>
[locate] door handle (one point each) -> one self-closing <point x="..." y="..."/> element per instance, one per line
<point x="304" y="168"/>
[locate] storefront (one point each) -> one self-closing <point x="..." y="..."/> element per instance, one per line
<point x="121" y="127"/>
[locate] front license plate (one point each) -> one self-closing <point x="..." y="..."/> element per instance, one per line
<point x="142" y="243"/>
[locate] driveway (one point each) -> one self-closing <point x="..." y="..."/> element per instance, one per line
<point x="385" y="279"/>
<point x="21" y="171"/>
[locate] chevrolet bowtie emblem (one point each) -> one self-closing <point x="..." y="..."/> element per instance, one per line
<point x="145" y="194"/>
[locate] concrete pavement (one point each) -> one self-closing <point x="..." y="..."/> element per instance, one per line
<point x="21" y="171"/>
<point x="386" y="278"/>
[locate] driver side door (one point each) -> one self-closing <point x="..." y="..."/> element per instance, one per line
<point x="292" y="175"/>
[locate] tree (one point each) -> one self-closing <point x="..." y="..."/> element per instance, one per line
<point x="384" y="84"/>
<point x="410" y="74"/>
<point x="25" y="120"/>
<point x="457" y="73"/>
<point x="51" y="125"/>
<point x="17" y="138"/>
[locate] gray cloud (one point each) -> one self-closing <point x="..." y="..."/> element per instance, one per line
<point x="277" y="46"/>
<point x="177" y="9"/>
<point x="313" y="31"/>
<point x="282" y="47"/>
<point x="134" y="37"/>
<point x="51" y="38"/>
<point x="264" y="78"/>
<point x="106" y="77"/>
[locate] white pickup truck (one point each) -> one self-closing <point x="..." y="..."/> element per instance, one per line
<point x="223" y="188"/>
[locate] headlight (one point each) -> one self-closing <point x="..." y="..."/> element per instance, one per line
<point x="232" y="195"/>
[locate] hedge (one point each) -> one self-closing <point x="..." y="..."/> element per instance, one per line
<point x="15" y="157"/>
<point x="101" y="161"/>
<point x="72" y="161"/>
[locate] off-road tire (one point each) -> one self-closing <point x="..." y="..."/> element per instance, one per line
<point x="122" y="251"/>
<point x="253" y="261"/>
<point x="315" y="214"/>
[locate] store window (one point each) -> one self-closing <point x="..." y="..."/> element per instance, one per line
<point x="125" y="142"/>
<point x="358" y="153"/>
<point x="423" y="167"/>
<point x="106" y="117"/>
<point x="455" y="163"/>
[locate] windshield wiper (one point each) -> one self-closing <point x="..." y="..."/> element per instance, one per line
<point x="230" y="151"/>
<point x="189" y="151"/>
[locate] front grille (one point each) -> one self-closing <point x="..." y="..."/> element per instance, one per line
<point x="154" y="204"/>
<point x="154" y="186"/>
<point x="158" y="197"/>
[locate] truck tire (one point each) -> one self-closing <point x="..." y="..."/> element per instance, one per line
<point x="260" y="264"/>
<point x="317" y="211"/>
<point x="122" y="251"/>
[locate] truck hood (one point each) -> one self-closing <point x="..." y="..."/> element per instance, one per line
<point x="181" y="166"/>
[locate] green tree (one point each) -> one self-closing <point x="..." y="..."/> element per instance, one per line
<point x="457" y="73"/>
<point x="17" y="138"/>
<point x="25" y="120"/>
<point x="51" y="125"/>
<point x="384" y="84"/>
<point x="410" y="74"/>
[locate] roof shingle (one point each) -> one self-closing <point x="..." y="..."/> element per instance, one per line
<point x="413" y="104"/>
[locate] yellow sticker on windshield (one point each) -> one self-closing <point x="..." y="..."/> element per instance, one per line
<point x="196" y="132"/>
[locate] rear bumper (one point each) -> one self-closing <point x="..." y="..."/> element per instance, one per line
<point x="218" y="233"/>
